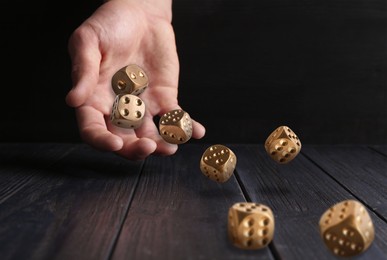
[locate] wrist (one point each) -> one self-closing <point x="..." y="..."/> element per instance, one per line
<point x="160" y="8"/>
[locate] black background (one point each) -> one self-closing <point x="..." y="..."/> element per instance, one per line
<point x="247" y="67"/>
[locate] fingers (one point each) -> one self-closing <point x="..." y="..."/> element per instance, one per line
<point x="137" y="148"/>
<point x="92" y="128"/>
<point x="85" y="57"/>
<point x="198" y="130"/>
<point x="93" y="131"/>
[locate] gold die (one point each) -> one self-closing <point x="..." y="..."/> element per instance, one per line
<point x="130" y="79"/>
<point x="347" y="228"/>
<point x="218" y="163"/>
<point x="283" y="145"/>
<point x="176" y="126"/>
<point x="128" y="111"/>
<point x="250" y="225"/>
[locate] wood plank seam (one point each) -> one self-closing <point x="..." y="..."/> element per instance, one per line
<point x="376" y="150"/>
<point x="273" y="250"/>
<point x="131" y="196"/>
<point x="345" y="188"/>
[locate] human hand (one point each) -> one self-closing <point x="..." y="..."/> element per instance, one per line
<point x="119" y="33"/>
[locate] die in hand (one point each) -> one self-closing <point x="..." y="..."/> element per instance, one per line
<point x="130" y="79"/>
<point x="175" y="126"/>
<point x="250" y="225"/>
<point x="283" y="145"/>
<point x="218" y="163"/>
<point x="128" y="111"/>
<point x="346" y="228"/>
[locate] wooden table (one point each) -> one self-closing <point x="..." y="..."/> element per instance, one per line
<point x="69" y="201"/>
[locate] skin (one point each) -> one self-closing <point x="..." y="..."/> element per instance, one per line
<point x="118" y="33"/>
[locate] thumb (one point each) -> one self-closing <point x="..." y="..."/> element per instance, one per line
<point x="85" y="57"/>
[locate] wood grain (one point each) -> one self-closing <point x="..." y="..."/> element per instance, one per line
<point x="69" y="201"/>
<point x="177" y="213"/>
<point x="72" y="209"/>
<point x="360" y="170"/>
<point x="16" y="158"/>
<point x="299" y="193"/>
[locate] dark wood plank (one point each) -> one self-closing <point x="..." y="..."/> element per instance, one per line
<point x="299" y="193"/>
<point x="177" y="213"/>
<point x="69" y="202"/>
<point x="16" y="157"/>
<point x="72" y="209"/>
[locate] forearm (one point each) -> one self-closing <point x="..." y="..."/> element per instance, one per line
<point x="162" y="8"/>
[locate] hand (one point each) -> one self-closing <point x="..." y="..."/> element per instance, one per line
<point x="117" y="34"/>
